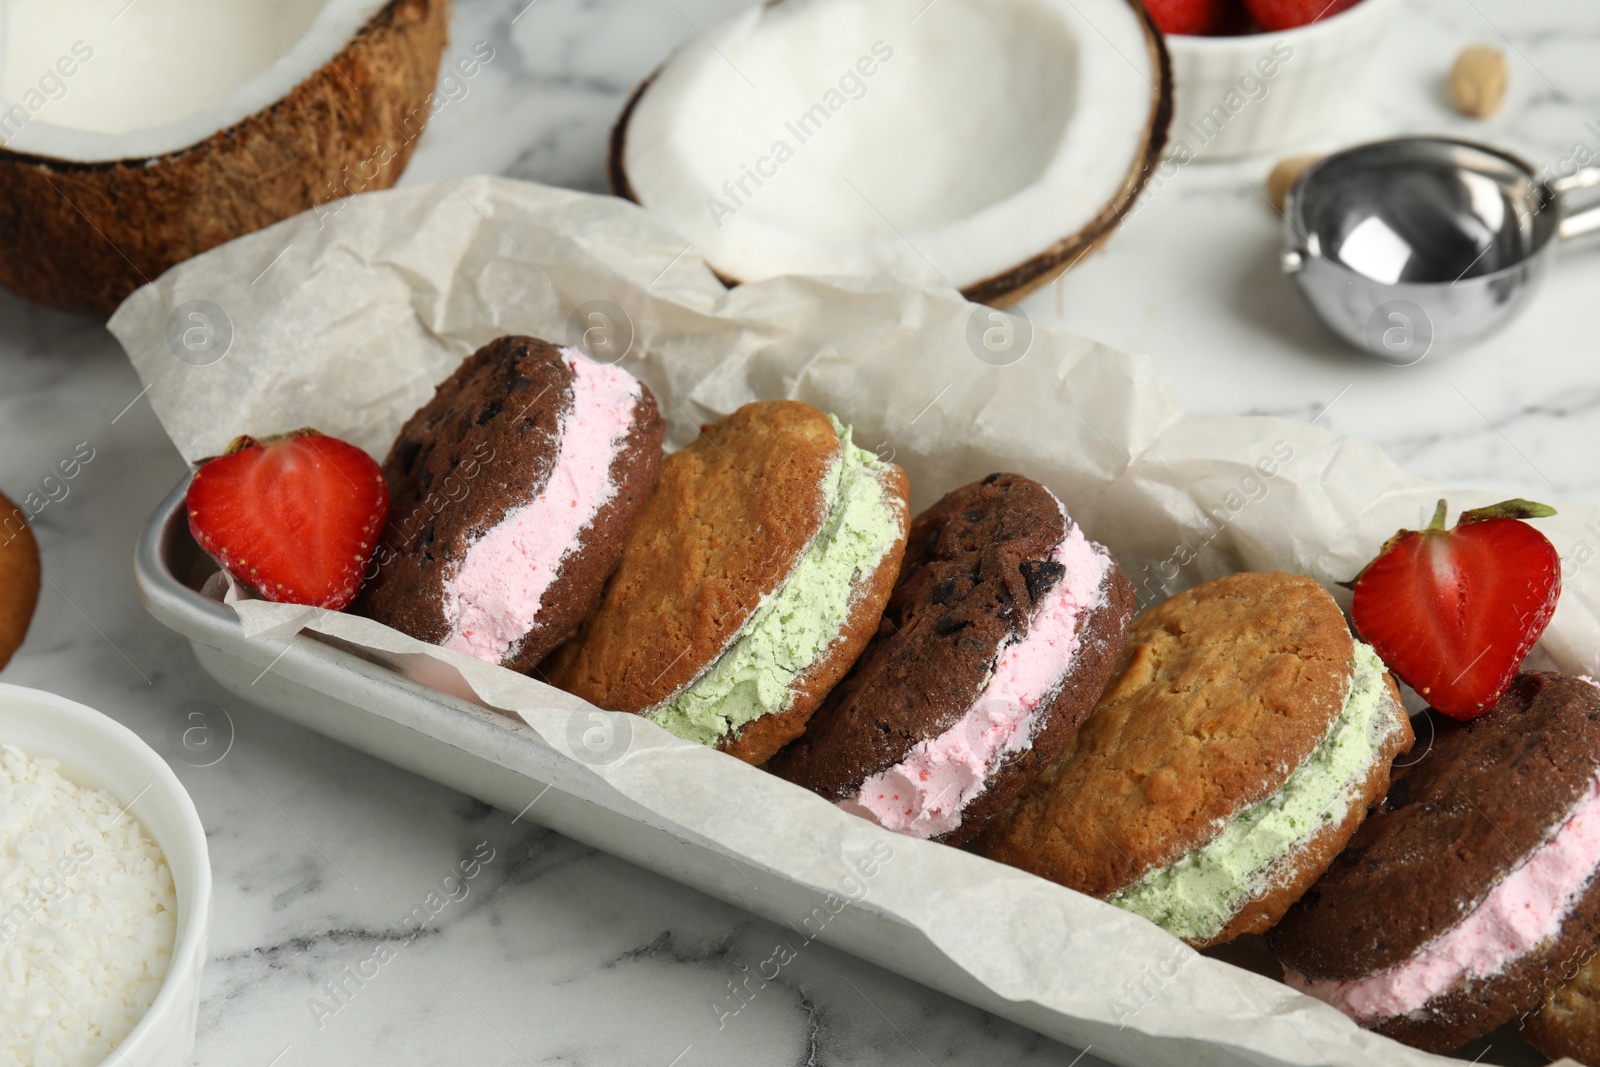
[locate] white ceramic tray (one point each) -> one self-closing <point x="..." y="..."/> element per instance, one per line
<point x="490" y="756"/>
<point x="502" y="762"/>
<point x="401" y="285"/>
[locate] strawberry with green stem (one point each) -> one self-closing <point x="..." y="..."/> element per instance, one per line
<point x="1454" y="612"/>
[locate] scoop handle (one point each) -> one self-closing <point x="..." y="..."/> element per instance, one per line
<point x="1580" y="208"/>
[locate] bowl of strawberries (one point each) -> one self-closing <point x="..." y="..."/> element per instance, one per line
<point x="1259" y="76"/>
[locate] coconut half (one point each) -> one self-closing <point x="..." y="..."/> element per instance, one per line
<point x="987" y="144"/>
<point x="137" y="133"/>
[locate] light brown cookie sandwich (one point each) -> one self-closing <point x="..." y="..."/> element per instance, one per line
<point x="1568" y="1023"/>
<point x="1239" y="747"/>
<point x="1001" y="634"/>
<point x="752" y="580"/>
<point x="19" y="577"/>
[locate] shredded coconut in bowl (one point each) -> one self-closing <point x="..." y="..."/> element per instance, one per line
<point x="88" y="916"/>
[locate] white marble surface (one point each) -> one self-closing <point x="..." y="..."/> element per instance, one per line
<point x="563" y="955"/>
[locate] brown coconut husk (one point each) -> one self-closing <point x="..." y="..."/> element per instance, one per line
<point x="80" y="237"/>
<point x="19" y="577"/>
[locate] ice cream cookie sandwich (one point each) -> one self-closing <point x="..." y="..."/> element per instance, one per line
<point x="999" y="638"/>
<point x="511" y="493"/>
<point x="752" y="580"/>
<point x="1239" y="746"/>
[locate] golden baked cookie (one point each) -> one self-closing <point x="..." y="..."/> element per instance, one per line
<point x="19" y="577"/>
<point x="1568" y="1024"/>
<point x="762" y="738"/>
<point x="710" y="624"/>
<point x="1224" y="692"/>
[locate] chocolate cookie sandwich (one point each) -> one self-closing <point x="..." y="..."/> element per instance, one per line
<point x="998" y="640"/>
<point x="1239" y="746"/>
<point x="752" y="580"/>
<point x="512" y="492"/>
<point x="1472" y="891"/>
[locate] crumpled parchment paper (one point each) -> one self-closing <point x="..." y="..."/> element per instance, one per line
<point x="345" y="319"/>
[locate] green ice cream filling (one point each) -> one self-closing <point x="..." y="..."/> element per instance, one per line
<point x="792" y="628"/>
<point x="1196" y="896"/>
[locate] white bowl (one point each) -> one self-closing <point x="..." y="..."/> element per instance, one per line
<point x="97" y="751"/>
<point x="1227" y="104"/>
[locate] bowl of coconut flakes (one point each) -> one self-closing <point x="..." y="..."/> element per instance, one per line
<point x="105" y="892"/>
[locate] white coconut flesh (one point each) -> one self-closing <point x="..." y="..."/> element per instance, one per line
<point x="91" y="81"/>
<point x="949" y="141"/>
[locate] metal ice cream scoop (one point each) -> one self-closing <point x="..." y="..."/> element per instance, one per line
<point x="1426" y="244"/>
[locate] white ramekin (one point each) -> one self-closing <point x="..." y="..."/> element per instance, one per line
<point x="1304" y="96"/>
<point x="97" y="751"/>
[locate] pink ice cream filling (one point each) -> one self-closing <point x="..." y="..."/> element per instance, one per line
<point x="1526" y="910"/>
<point x="926" y="792"/>
<point x="493" y="598"/>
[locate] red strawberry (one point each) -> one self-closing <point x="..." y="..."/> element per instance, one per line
<point x="1277" y="15"/>
<point x="296" y="517"/>
<point x="1188" y="16"/>
<point x="1453" y="612"/>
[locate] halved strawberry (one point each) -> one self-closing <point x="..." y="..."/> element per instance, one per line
<point x="1454" y="612"/>
<point x="295" y="517"/>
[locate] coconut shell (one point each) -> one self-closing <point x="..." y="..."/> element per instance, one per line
<point x="1039" y="269"/>
<point x="80" y="237"/>
<point x="19" y="577"/>
<point x="1043" y="268"/>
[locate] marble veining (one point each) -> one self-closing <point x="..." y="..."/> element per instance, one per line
<point x="345" y="931"/>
